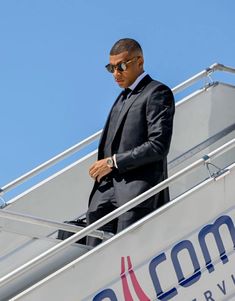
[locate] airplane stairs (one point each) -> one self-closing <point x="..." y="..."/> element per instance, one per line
<point x="182" y="251"/>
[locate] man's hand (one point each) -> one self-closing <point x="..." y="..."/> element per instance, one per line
<point x="99" y="169"/>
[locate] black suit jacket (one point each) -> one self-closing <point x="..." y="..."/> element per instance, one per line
<point x="141" y="141"/>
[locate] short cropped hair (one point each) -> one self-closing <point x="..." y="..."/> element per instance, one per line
<point x="126" y="44"/>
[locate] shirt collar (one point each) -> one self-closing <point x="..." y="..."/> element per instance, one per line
<point x="139" y="78"/>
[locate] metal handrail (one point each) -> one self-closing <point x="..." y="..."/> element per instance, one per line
<point x="92" y="138"/>
<point x="101" y="234"/>
<point x="50" y="224"/>
<point x="51" y="162"/>
<point x="117" y="212"/>
<point x="207" y="72"/>
<point x="221" y="67"/>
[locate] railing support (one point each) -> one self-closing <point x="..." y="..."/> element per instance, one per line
<point x="49" y="223"/>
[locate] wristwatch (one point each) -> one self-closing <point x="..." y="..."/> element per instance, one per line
<point x="110" y="162"/>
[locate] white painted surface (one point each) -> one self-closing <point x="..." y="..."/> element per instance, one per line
<point x="19" y="249"/>
<point x="63" y="196"/>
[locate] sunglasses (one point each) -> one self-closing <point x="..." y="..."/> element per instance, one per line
<point x="119" y="67"/>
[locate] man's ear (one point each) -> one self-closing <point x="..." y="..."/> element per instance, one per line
<point x="141" y="61"/>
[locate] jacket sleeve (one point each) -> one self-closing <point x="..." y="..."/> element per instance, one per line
<point x="159" y="118"/>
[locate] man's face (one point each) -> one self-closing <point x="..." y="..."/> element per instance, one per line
<point x="134" y="68"/>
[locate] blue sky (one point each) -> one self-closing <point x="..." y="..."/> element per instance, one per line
<point x="54" y="89"/>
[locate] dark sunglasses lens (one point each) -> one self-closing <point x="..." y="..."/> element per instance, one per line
<point x="122" y="67"/>
<point x="110" y="68"/>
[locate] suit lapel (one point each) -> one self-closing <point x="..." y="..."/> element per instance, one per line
<point x="134" y="95"/>
<point x="129" y="102"/>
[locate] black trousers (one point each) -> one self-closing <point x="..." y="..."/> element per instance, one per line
<point x="102" y="203"/>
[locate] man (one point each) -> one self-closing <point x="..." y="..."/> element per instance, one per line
<point x="135" y="141"/>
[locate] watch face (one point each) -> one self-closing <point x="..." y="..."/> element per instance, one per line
<point x="110" y="162"/>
